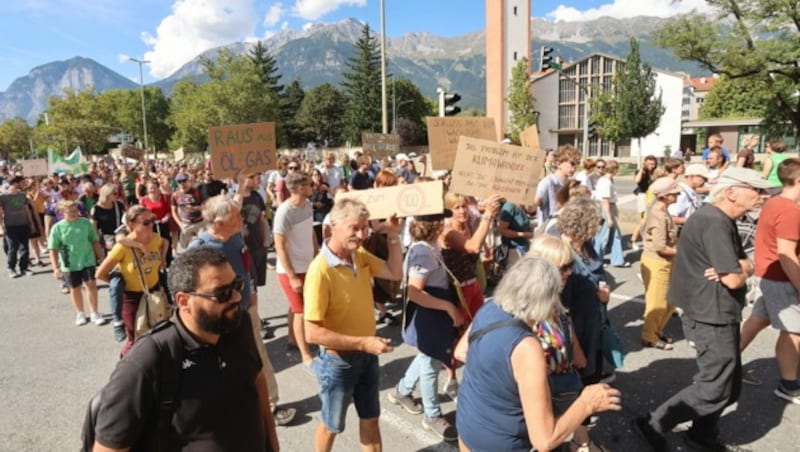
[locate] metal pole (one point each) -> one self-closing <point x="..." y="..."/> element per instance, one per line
<point x="394" y="107"/>
<point x="586" y="123"/>
<point x="384" y="113"/>
<point x="144" y="111"/>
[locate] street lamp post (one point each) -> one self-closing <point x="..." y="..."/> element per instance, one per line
<point x="384" y="113"/>
<point x="144" y="111"/>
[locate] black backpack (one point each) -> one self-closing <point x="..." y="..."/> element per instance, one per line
<point x="170" y="353"/>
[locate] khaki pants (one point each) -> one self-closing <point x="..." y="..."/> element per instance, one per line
<point x="189" y="232"/>
<point x="269" y="372"/>
<point x="657" y="311"/>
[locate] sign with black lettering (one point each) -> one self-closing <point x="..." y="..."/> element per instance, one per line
<point x="379" y="144"/>
<point x="484" y="168"/>
<point x="242" y="147"/>
<point x="402" y="200"/>
<point x="443" y="133"/>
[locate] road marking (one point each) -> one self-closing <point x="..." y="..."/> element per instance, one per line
<point x="424" y="439"/>
<point x="627" y="298"/>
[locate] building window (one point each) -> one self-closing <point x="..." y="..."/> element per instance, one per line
<point x="515" y="12"/>
<point x="608" y="66"/>
<point x="700" y="100"/>
<point x="566" y="92"/>
<point x="566" y="117"/>
<point x="515" y="56"/>
<point x="595" y="65"/>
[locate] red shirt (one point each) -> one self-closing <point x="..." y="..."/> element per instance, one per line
<point x="159" y="208"/>
<point x="780" y="218"/>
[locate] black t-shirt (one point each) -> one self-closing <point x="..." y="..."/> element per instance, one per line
<point x="708" y="239"/>
<point x="217" y="403"/>
<point x="253" y="208"/>
<point x="108" y="220"/>
<point x="211" y="189"/>
<point x="361" y="181"/>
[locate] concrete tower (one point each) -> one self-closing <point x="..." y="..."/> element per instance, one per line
<point x="508" y="39"/>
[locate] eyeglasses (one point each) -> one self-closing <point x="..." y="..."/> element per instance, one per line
<point x="222" y="294"/>
<point x="566" y="267"/>
<point x="147" y="222"/>
<point x="292" y="168"/>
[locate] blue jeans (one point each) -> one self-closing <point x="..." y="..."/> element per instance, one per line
<point x="610" y="238"/>
<point x="425" y="370"/>
<point x="116" y="285"/>
<point x="343" y="379"/>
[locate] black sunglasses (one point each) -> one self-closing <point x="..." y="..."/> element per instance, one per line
<point x="147" y="222"/>
<point x="222" y="294"/>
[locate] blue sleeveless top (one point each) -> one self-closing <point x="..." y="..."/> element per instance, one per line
<point x="489" y="408"/>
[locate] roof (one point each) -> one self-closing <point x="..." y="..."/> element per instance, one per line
<point x="723" y="122"/>
<point x="542" y="75"/>
<point x="701" y="83"/>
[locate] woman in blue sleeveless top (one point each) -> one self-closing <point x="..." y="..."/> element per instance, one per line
<point x="504" y="401"/>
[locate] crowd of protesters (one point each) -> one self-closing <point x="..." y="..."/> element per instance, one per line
<point x="538" y="354"/>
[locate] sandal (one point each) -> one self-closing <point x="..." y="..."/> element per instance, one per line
<point x="659" y="344"/>
<point x="666" y="339"/>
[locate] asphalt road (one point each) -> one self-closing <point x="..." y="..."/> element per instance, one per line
<point x="50" y="368"/>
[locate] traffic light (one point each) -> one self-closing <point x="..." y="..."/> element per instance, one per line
<point x="591" y="130"/>
<point x="447" y="103"/>
<point x="544" y="57"/>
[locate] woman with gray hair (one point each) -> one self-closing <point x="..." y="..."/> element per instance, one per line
<point x="505" y="398"/>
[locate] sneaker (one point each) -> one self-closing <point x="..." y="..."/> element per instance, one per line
<point x="406" y="402"/>
<point x="451" y="389"/>
<point x="26" y="272"/>
<point x="624" y="265"/>
<point x="119" y="331"/>
<point x="656" y="441"/>
<point x="81" y="319"/>
<point x="12" y="274"/>
<point x="749" y="378"/>
<point x="635" y="246"/>
<point x="98" y="319"/>
<point x="790" y="395"/>
<point x="441" y="428"/>
<point x="283" y="416"/>
<point x="714" y="446"/>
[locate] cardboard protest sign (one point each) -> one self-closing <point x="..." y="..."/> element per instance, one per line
<point x="379" y="144"/>
<point x="34" y="167"/>
<point x="484" y="168"/>
<point x="133" y="153"/>
<point x="529" y="138"/>
<point x="179" y="155"/>
<point x="403" y="200"/>
<point x="443" y="133"/>
<point x="242" y="147"/>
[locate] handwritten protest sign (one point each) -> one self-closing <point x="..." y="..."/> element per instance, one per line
<point x="379" y="144"/>
<point x="483" y="168"/>
<point x="34" y="167"/>
<point x="242" y="147"/>
<point x="179" y="154"/>
<point x="443" y="133"/>
<point x="133" y="153"/>
<point x="529" y="138"/>
<point x="404" y="200"/>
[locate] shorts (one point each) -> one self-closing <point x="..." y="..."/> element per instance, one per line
<point x="343" y="379"/>
<point x="295" y="299"/>
<point x="779" y="304"/>
<point x="564" y="390"/>
<point x="77" y="278"/>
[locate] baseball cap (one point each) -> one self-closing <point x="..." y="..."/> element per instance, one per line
<point x="696" y="169"/>
<point x="446" y="213"/>
<point x="664" y="186"/>
<point x="182" y="177"/>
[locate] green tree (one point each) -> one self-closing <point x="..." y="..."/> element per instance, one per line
<point x="126" y="112"/>
<point x="289" y="103"/>
<point x="735" y="98"/>
<point x="520" y="101"/>
<point x="751" y="40"/>
<point x="189" y="116"/>
<point x="409" y="102"/>
<point x="321" y="114"/>
<point x="76" y="119"/>
<point x="631" y="109"/>
<point x="15" y="138"/>
<point x="267" y="67"/>
<point x="362" y="85"/>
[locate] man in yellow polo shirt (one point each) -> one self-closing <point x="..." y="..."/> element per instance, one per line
<point x="339" y="316"/>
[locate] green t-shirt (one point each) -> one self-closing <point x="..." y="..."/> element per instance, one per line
<point x="74" y="242"/>
<point x="776" y="158"/>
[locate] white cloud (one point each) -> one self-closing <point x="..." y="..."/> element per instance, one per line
<point x="314" y="9"/>
<point x="307" y="26"/>
<point x="630" y="8"/>
<point x="273" y="15"/>
<point x="285" y="25"/>
<point x="195" y="26"/>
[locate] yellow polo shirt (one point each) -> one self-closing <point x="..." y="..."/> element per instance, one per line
<point x="340" y="295"/>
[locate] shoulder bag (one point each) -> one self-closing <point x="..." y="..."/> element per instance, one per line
<point x="153" y="306"/>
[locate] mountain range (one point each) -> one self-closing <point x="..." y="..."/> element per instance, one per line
<point x="319" y="54"/>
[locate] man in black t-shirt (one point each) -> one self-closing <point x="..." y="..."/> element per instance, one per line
<point x="210" y="187"/>
<point x="708" y="282"/>
<point x="222" y="399"/>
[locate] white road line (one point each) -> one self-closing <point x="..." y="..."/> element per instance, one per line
<point x="424" y="439"/>
<point x="627" y="298"/>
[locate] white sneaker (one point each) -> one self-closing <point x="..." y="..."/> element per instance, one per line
<point x="635" y="246"/>
<point x="81" y="319"/>
<point x="98" y="319"/>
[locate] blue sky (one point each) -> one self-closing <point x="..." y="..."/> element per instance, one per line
<point x="172" y="32"/>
